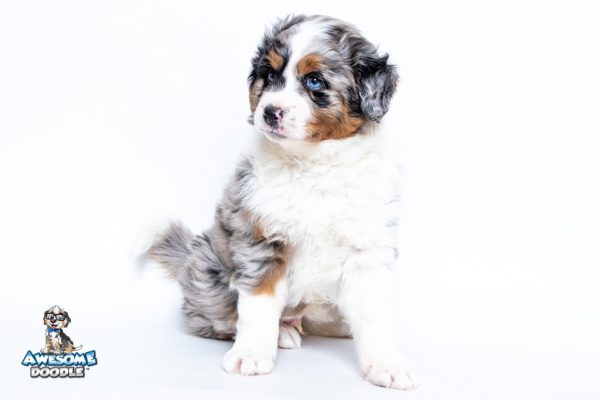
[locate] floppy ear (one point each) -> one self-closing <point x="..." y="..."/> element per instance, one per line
<point x="255" y="84"/>
<point x="44" y="317"/>
<point x="67" y="319"/>
<point x="376" y="80"/>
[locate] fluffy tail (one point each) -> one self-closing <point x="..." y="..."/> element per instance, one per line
<point x="172" y="249"/>
<point x="209" y="305"/>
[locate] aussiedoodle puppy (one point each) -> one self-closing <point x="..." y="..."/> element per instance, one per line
<point x="305" y="236"/>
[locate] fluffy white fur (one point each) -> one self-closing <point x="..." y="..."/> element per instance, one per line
<point x="257" y="333"/>
<point x="336" y="203"/>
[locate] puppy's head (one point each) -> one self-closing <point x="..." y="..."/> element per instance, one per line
<point x="56" y="318"/>
<point x="317" y="78"/>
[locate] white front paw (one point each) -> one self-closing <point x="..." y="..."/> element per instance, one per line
<point x="390" y="376"/>
<point x="248" y="362"/>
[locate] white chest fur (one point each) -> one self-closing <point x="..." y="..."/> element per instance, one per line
<point x="335" y="200"/>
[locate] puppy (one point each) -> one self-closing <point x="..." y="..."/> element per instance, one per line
<point x="57" y="341"/>
<point x="305" y="235"/>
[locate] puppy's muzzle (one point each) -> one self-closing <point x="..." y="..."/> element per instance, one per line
<point x="273" y="115"/>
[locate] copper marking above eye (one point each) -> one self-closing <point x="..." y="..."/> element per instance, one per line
<point x="310" y="63"/>
<point x="275" y="59"/>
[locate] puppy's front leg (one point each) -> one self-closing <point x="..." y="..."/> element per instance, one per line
<point x="47" y="347"/>
<point x="257" y="332"/>
<point x="366" y="302"/>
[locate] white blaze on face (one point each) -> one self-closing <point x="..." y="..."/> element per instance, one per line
<point x="296" y="107"/>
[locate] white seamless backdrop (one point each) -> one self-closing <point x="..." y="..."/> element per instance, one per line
<point x="116" y="116"/>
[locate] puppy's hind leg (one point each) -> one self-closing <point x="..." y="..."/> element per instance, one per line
<point x="289" y="335"/>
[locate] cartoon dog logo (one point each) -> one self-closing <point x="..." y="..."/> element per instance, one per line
<point x="56" y="320"/>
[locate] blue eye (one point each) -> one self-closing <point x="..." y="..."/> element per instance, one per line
<point x="314" y="83"/>
<point x="271" y="76"/>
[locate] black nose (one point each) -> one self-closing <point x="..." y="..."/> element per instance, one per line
<point x="273" y="115"/>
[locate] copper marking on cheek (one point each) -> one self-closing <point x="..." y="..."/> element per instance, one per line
<point x="310" y="63"/>
<point x="275" y="59"/>
<point x="336" y="123"/>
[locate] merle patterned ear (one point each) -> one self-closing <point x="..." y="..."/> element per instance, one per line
<point x="44" y="318"/>
<point x="67" y="319"/>
<point x="255" y="84"/>
<point x="376" y="81"/>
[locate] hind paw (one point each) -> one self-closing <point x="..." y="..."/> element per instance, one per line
<point x="289" y="337"/>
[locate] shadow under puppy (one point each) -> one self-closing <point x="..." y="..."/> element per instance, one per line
<point x="56" y="320"/>
<point x="305" y="234"/>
